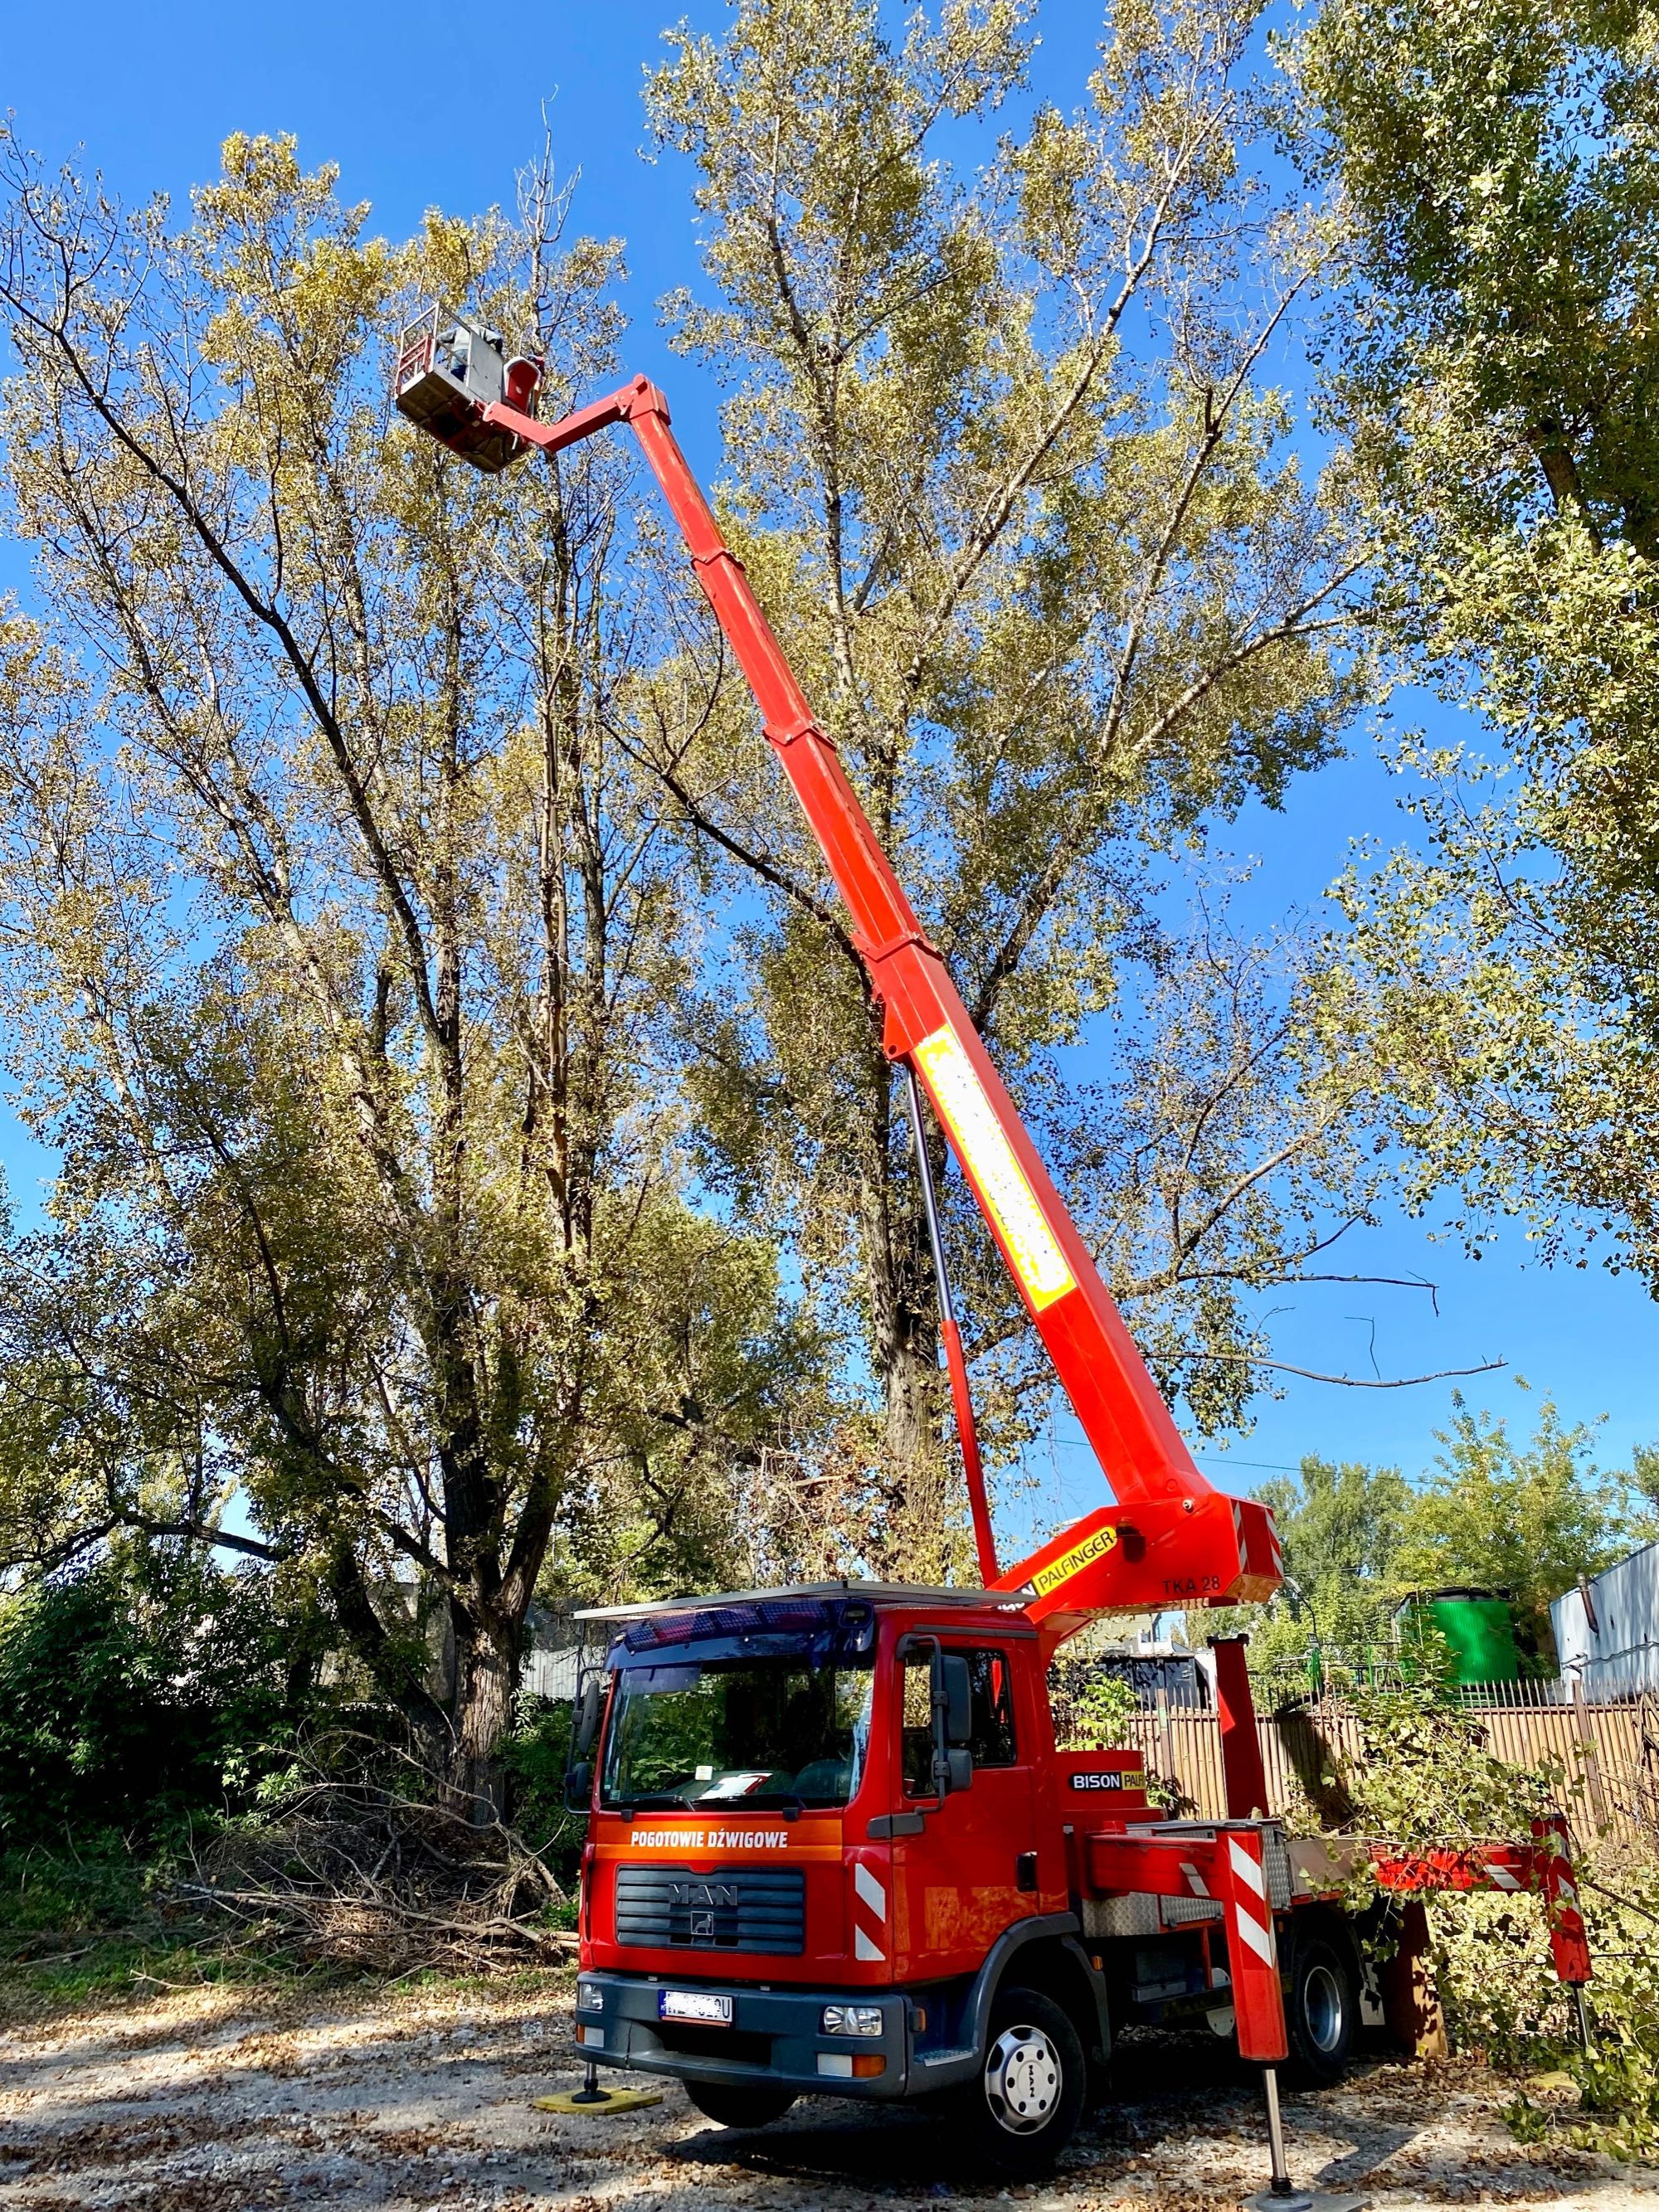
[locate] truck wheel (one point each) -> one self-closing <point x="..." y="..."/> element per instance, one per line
<point x="733" y="2104"/>
<point x="1022" y="2110"/>
<point x="1322" y="2009"/>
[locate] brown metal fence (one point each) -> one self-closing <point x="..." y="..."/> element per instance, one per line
<point x="1604" y="1739"/>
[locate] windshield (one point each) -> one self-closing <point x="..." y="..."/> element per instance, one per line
<point x="737" y="1732"/>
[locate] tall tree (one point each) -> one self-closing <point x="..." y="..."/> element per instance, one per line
<point x="337" y="922"/>
<point x="1005" y="475"/>
<point x="1528" y="1518"/>
<point x="1497" y="369"/>
<point x="1340" y="1525"/>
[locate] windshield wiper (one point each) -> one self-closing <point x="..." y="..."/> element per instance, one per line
<point x="655" y="1800"/>
<point x="790" y="1799"/>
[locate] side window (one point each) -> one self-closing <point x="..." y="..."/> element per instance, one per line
<point x="916" y="1727"/>
<point x="993" y="1711"/>
<point x="993" y="1708"/>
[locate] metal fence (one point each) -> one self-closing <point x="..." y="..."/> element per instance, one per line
<point x="1604" y="1740"/>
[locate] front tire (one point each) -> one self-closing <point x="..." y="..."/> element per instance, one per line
<point x="1023" y="2108"/>
<point x="1321" y="2009"/>
<point x="734" y="2105"/>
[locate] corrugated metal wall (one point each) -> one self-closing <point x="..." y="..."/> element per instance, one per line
<point x="1623" y="1644"/>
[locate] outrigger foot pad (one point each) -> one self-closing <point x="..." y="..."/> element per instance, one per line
<point x="1281" y="2194"/>
<point x="1303" y="2200"/>
<point x="602" y="2100"/>
<point x="590" y="2098"/>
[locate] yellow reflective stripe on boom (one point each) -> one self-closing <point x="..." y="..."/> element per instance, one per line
<point x="982" y="1144"/>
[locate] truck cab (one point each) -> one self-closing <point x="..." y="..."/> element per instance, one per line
<point x="826" y="1853"/>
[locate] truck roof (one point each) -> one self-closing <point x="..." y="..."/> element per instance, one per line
<point x="875" y="1593"/>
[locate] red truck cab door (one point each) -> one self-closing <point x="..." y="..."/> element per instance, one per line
<point x="964" y="1866"/>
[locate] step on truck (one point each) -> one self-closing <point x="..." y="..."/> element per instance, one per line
<point x="833" y="1846"/>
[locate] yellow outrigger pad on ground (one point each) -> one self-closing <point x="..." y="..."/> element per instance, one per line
<point x="608" y="2101"/>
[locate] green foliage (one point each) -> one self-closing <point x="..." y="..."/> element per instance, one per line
<point x="1529" y="1519"/>
<point x="1501" y="1999"/>
<point x="1040" y="548"/>
<point x="1421" y="1773"/>
<point x="1495" y="365"/>
<point x="1414" y="1766"/>
<point x="346" y="1003"/>
<point x="1339" y="1527"/>
<point x="1493" y="1513"/>
<point x="131" y="1703"/>
<point x="535" y="1754"/>
<point x="1338" y="1524"/>
<point x="1103" y="1709"/>
<point x="71" y="1884"/>
<point x="1644" y="1482"/>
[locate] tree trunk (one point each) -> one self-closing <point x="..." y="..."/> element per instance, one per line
<point x="904" y="1315"/>
<point x="486" y="1675"/>
<point x="923" y="1520"/>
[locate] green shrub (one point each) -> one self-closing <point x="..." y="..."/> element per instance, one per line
<point x="1422" y="1774"/>
<point x="133" y="1698"/>
<point x="535" y="1756"/>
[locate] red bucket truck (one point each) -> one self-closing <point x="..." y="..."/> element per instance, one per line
<point x="833" y="1846"/>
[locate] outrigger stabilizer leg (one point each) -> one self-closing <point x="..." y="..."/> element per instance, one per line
<point x="1281" y="2194"/>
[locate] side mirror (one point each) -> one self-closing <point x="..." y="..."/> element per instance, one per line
<point x="953" y="1723"/>
<point x="589" y="1706"/>
<point x="579" y="1786"/>
<point x="958" y="1698"/>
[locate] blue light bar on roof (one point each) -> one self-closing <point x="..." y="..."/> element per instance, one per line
<point x="786" y="1616"/>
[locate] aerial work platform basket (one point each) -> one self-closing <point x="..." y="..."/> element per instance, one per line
<point x="446" y="377"/>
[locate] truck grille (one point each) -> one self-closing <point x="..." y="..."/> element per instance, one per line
<point x="750" y="1909"/>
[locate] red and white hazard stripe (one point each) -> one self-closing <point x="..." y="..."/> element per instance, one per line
<point x="1252" y="1950"/>
<point x="1252" y="1917"/>
<point x="870" y="1941"/>
<point x="1568" y="1937"/>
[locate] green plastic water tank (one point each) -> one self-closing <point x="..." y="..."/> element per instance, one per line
<point x="1477" y="1625"/>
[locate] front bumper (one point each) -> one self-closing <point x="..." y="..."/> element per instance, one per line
<point x="774" y="2038"/>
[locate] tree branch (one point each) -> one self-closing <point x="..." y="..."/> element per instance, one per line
<point x="1349" y="1382"/>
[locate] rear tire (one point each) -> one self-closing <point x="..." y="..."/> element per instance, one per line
<point x="1023" y="2106"/>
<point x="1322" y="2008"/>
<point x="735" y="2104"/>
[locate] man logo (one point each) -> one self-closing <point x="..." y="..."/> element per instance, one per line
<point x="715" y="1894"/>
<point x="702" y="1924"/>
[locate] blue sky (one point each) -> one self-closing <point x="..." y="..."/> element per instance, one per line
<point x="421" y="106"/>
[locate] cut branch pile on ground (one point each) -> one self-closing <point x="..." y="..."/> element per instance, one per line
<point x="355" y="1873"/>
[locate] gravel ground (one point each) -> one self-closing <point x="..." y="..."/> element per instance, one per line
<point x="214" y="2100"/>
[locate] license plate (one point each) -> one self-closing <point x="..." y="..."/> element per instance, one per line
<point x="705" y="2005"/>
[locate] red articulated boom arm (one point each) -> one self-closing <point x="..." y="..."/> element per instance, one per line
<point x="1172" y="1539"/>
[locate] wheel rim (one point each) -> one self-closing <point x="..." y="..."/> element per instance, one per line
<point x="1022" y="2080"/>
<point x="1322" y="2008"/>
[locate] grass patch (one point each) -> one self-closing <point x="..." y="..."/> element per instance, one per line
<point x="98" y="1925"/>
<point x="93" y="1924"/>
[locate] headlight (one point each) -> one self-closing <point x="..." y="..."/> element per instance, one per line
<point x="851" y="2019"/>
<point x="590" y="1996"/>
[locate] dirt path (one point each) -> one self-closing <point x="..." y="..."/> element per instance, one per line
<point x="213" y="2101"/>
